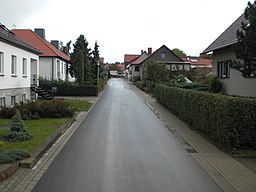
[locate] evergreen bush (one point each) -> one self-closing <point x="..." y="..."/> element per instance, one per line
<point x="18" y="130"/>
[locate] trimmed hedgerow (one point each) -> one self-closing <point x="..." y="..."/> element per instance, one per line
<point x="230" y="122"/>
<point x="65" y="88"/>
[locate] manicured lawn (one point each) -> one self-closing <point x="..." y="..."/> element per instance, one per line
<point x="41" y="130"/>
<point x="79" y="105"/>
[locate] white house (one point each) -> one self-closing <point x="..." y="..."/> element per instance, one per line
<point x="53" y="63"/>
<point x="19" y="67"/>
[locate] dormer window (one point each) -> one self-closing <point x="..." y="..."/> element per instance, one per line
<point x="163" y="55"/>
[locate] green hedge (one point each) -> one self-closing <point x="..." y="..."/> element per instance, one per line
<point x="230" y="122"/>
<point x="65" y="88"/>
<point x="77" y="90"/>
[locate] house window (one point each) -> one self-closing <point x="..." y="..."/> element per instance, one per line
<point x="223" y="69"/>
<point x="137" y="68"/>
<point x="24" y="67"/>
<point x="168" y="67"/>
<point x="23" y="98"/>
<point x="2" y="101"/>
<point x="163" y="55"/>
<point x="1" y="63"/>
<point x="14" y="65"/>
<point x="13" y="100"/>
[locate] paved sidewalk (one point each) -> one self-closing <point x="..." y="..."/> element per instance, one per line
<point x="226" y="171"/>
<point x="25" y="179"/>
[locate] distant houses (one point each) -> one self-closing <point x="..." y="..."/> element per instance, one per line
<point x="19" y="68"/>
<point x="162" y="55"/>
<point x="233" y="81"/>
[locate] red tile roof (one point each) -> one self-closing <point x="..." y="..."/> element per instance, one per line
<point x="130" y="57"/>
<point x="46" y="47"/>
<point x="198" y="61"/>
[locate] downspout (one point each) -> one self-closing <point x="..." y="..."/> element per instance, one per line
<point x="52" y="69"/>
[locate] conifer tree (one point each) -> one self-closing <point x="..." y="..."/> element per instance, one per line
<point x="246" y="46"/>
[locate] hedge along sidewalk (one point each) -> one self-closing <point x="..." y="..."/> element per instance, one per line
<point x="229" y="174"/>
<point x="227" y="121"/>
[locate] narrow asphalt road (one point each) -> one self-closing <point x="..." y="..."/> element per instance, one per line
<point x="123" y="147"/>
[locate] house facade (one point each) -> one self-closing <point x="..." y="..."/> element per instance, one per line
<point x="163" y="55"/>
<point x="222" y="49"/>
<point x="19" y="68"/>
<point x="53" y="63"/>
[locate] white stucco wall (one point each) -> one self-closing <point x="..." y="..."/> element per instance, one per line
<point x="18" y="84"/>
<point x="7" y="81"/>
<point x="52" y="68"/>
<point x="236" y="84"/>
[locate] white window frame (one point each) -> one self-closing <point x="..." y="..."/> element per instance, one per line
<point x="163" y="55"/>
<point x="1" y="63"/>
<point x="2" y="101"/>
<point x="13" y="100"/>
<point x="223" y="69"/>
<point x="24" y="98"/>
<point x="24" y="67"/>
<point x="14" y="65"/>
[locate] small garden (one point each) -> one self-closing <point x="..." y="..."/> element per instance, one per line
<point x="24" y="127"/>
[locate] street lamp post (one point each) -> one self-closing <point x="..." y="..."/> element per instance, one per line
<point x="98" y="77"/>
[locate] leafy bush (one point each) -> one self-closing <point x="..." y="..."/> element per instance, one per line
<point x="135" y="79"/>
<point x="230" y="122"/>
<point x="38" y="109"/>
<point x="12" y="156"/>
<point x="140" y="85"/>
<point x="15" y="136"/>
<point x="215" y="85"/>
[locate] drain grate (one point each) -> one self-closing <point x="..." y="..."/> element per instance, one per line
<point x="191" y="150"/>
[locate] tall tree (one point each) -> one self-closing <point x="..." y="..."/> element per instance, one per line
<point x="80" y="69"/>
<point x="95" y="59"/>
<point x="81" y="44"/>
<point x="179" y="52"/>
<point x="246" y="46"/>
<point x="66" y="49"/>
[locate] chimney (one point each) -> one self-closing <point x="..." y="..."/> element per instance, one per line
<point x="141" y="52"/>
<point x="40" y="32"/>
<point x="55" y="43"/>
<point x="149" y="50"/>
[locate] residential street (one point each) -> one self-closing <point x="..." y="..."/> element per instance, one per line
<point x="123" y="146"/>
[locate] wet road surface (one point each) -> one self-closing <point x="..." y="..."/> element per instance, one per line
<point x="123" y="147"/>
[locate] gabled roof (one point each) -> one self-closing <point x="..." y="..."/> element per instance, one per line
<point x="130" y="57"/>
<point x="175" y="59"/>
<point x="140" y="59"/>
<point x="9" y="37"/>
<point x="46" y="47"/>
<point x="228" y="37"/>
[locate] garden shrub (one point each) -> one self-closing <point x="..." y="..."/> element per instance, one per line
<point x="230" y="122"/>
<point x="215" y="85"/>
<point x="140" y="85"/>
<point x="12" y="156"/>
<point x="38" y="109"/>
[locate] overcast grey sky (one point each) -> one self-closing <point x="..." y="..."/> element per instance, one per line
<point x="126" y="26"/>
